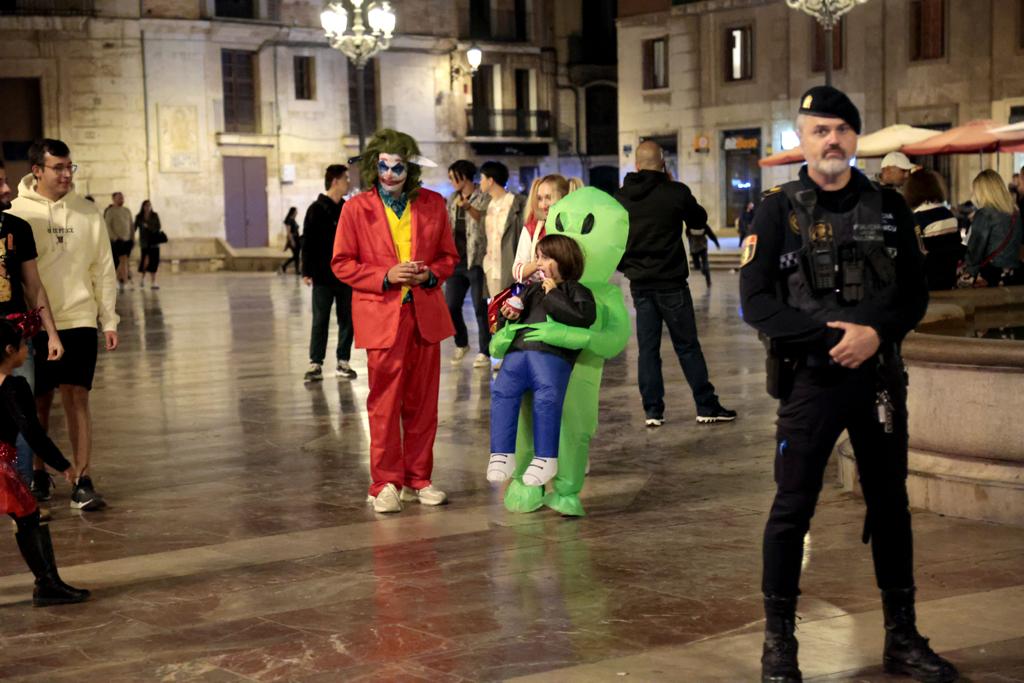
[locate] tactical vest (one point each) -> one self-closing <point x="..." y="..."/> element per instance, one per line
<point x="844" y="258"/>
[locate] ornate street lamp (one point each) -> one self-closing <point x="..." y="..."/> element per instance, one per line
<point x="357" y="44"/>
<point x="827" y="12"/>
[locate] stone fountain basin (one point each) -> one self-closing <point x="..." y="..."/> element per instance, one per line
<point x="966" y="409"/>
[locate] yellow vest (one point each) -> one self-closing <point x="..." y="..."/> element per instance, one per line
<point x="401" y="234"/>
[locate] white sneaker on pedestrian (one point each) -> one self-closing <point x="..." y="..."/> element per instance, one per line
<point x="500" y="467"/>
<point x="482" y="360"/>
<point x="540" y="471"/>
<point x="460" y="353"/>
<point x="428" y="495"/>
<point x="387" y="500"/>
<point x="654" y="421"/>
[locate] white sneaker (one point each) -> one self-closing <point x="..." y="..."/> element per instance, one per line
<point x="654" y="421"/>
<point x="460" y="353"/>
<point x="500" y="467"/>
<point x="387" y="500"/>
<point x="540" y="471"/>
<point x="482" y="360"/>
<point x="428" y="495"/>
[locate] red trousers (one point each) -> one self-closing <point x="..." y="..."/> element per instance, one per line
<point x="402" y="405"/>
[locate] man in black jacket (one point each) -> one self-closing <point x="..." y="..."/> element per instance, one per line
<point x="655" y="264"/>
<point x="318" y="229"/>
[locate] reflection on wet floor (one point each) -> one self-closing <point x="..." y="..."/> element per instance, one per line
<point x="238" y="546"/>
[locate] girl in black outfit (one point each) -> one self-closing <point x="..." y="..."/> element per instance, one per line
<point x="18" y="415"/>
<point x="147" y="222"/>
<point x="940" y="232"/>
<point x="294" y="242"/>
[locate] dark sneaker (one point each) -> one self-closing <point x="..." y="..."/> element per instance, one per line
<point x="84" y="496"/>
<point x="41" y="485"/>
<point x="345" y="370"/>
<point x="716" y="414"/>
<point x="314" y="374"/>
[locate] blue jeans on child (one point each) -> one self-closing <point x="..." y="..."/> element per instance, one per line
<point x="547" y="376"/>
<point x="28" y="371"/>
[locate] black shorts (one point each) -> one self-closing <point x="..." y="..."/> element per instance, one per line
<point x="120" y="248"/>
<point x="76" y="367"/>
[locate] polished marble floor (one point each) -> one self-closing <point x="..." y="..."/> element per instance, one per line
<point x="238" y="547"/>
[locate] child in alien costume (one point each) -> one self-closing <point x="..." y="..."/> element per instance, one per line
<point x="600" y="225"/>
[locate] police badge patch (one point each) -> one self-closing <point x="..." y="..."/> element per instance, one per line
<point x="794" y="225"/>
<point x="749" y="249"/>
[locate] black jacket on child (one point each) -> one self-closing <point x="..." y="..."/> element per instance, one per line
<point x="569" y="303"/>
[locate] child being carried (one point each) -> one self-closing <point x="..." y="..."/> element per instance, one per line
<point x="537" y="367"/>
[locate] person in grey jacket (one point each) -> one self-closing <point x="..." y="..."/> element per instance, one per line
<point x="993" y="245"/>
<point x="466" y="209"/>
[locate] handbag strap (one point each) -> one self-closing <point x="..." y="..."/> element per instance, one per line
<point x="1009" y="235"/>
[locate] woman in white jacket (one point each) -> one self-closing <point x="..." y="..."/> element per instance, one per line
<point x="543" y="194"/>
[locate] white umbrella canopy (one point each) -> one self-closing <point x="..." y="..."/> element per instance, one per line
<point x="1012" y="128"/>
<point x="891" y="138"/>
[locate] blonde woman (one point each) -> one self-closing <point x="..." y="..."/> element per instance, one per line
<point x="993" y="246"/>
<point x="543" y="194"/>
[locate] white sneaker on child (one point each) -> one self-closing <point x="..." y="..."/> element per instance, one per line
<point x="500" y="467"/>
<point x="540" y="471"/>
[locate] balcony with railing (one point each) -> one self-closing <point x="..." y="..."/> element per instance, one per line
<point x="508" y="123"/>
<point x="65" y="8"/>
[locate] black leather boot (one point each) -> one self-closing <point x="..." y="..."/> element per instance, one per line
<point x="907" y="651"/>
<point x="778" y="659"/>
<point x="37" y="548"/>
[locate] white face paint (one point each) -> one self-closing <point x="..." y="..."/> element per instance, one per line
<point x="392" y="171"/>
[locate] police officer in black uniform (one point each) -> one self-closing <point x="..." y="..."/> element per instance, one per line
<point x="833" y="279"/>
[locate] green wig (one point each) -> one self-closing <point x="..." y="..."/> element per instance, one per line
<point x="389" y="141"/>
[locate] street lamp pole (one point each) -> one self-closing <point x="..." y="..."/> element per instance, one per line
<point x="357" y="44"/>
<point x="827" y="12"/>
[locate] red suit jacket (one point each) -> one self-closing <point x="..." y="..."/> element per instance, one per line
<point x="364" y="251"/>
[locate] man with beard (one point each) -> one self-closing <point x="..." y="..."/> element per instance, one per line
<point x="394" y="248"/>
<point x="832" y="277"/>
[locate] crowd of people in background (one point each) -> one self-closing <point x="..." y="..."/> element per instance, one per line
<point x="973" y="244"/>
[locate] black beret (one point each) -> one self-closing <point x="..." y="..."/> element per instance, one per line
<point x="824" y="100"/>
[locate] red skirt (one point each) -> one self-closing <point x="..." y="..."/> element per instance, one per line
<point x="15" y="498"/>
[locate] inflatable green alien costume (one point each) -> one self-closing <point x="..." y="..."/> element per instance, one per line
<point x="600" y="225"/>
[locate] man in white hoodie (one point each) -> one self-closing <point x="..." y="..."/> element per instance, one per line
<point x="77" y="270"/>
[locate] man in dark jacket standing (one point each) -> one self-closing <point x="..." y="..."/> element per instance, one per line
<point x="319" y="228"/>
<point x="655" y="264"/>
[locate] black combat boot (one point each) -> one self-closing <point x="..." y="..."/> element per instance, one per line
<point x="907" y="651"/>
<point x="778" y="660"/>
<point x="37" y="549"/>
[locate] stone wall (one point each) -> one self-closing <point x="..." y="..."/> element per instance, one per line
<point x="980" y="77"/>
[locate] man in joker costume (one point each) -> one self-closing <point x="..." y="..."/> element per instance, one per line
<point x="600" y="225"/>
<point x="395" y="249"/>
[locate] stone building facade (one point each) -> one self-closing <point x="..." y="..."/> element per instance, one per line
<point x="736" y="68"/>
<point x="225" y="112"/>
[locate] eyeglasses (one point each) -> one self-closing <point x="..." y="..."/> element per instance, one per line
<point x="61" y="170"/>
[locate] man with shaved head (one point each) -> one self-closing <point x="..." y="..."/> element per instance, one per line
<point x="655" y="264"/>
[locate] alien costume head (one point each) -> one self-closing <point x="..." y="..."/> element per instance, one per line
<point x="600" y="225"/>
<point x="388" y="158"/>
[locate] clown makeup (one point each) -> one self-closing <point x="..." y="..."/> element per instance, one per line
<point x="392" y="171"/>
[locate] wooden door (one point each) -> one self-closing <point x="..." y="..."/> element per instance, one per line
<point x="245" y="201"/>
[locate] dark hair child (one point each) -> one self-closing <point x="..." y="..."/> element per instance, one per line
<point x="533" y="366"/>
